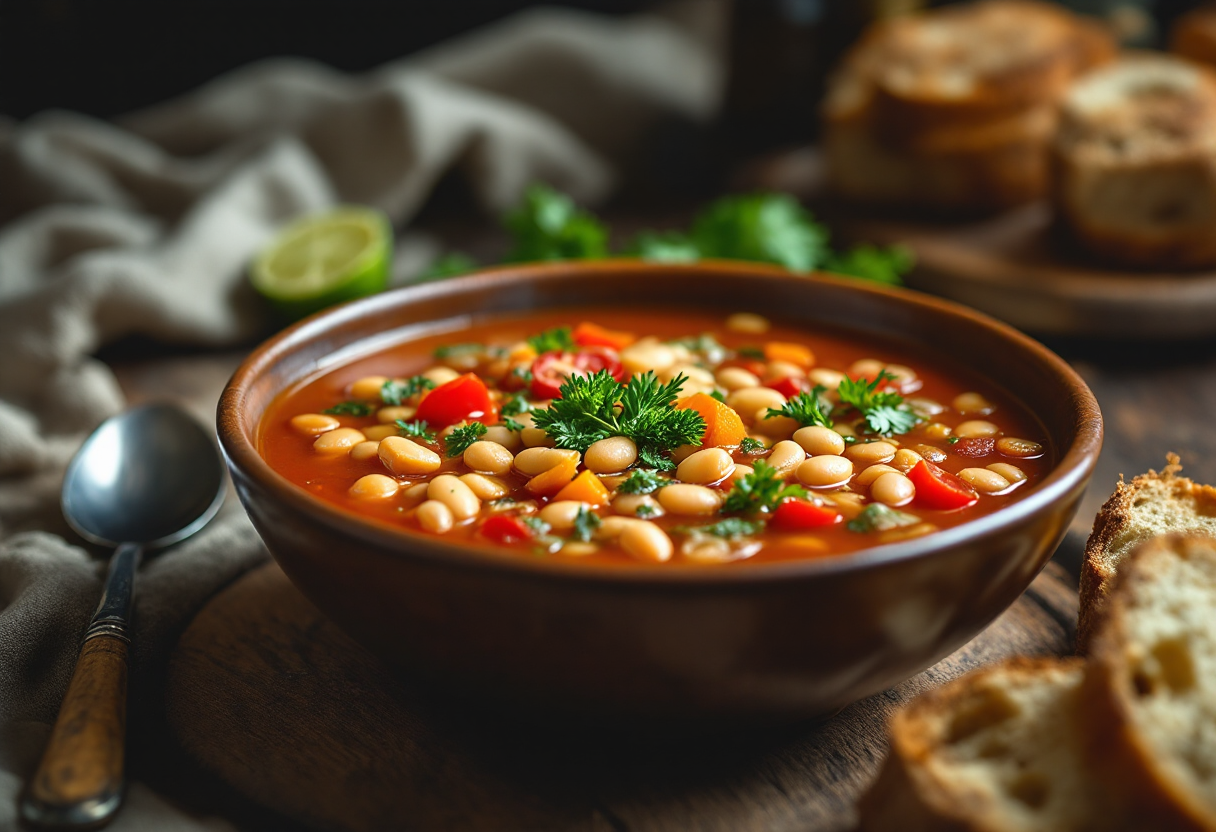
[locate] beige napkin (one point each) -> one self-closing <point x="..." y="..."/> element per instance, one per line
<point x="144" y="225"/>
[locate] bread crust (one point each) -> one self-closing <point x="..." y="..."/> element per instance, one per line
<point x="1194" y="36"/>
<point x="1111" y="687"/>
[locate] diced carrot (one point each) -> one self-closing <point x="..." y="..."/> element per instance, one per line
<point x="793" y="353"/>
<point x="723" y="427"/>
<point x="588" y="334"/>
<point x="553" y="480"/>
<point x="586" y="488"/>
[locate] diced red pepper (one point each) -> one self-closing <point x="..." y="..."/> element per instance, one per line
<point x="462" y="399"/>
<point x="786" y="386"/>
<point x="588" y="334"/>
<point x="793" y="515"/>
<point x="550" y="369"/>
<point x="940" y="490"/>
<point x="502" y="528"/>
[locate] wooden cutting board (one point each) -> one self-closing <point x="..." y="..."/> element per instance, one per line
<point x="267" y="694"/>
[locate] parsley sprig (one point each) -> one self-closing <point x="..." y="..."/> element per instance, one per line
<point x="730" y="528"/>
<point x="415" y="430"/>
<point x="459" y="440"/>
<point x="350" y="409"/>
<point x="751" y="447"/>
<point x="585" y="524"/>
<point x="761" y="490"/>
<point x="806" y="408"/>
<point x="596" y="407"/>
<point x="879" y="518"/>
<point x="558" y="339"/>
<point x="884" y="410"/>
<point x="641" y="481"/>
<point x="395" y="391"/>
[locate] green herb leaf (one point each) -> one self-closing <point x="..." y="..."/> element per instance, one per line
<point x="524" y="374"/>
<point x="761" y="490"/>
<point x="512" y="425"/>
<point x="717" y="394"/>
<point x="452" y="264"/>
<point x="731" y="527"/>
<point x="664" y="247"/>
<point x="884" y="411"/>
<point x="644" y="511"/>
<point x="952" y="440"/>
<point x="882" y="265"/>
<point x="415" y="430"/>
<point x="879" y="518"/>
<point x="806" y="408"/>
<point x="456" y="350"/>
<point x="459" y="440"/>
<point x="549" y="226"/>
<point x="536" y="525"/>
<point x="763" y="227"/>
<point x="641" y="481"/>
<point x="751" y="447"/>
<point x="350" y="409"/>
<point x="750" y="352"/>
<point x="585" y="524"/>
<point x="395" y="391"/>
<point x="557" y="339"/>
<point x="705" y="345"/>
<point x="517" y="404"/>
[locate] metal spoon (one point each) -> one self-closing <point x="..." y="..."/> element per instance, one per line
<point x="145" y="479"/>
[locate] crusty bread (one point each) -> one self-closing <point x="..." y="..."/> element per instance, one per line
<point x="1154" y="658"/>
<point x="953" y="109"/>
<point x="1194" y="35"/>
<point x="1002" y="749"/>
<point x="1134" y="163"/>
<point x="1150" y="505"/>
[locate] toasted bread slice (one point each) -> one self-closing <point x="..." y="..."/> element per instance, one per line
<point x="1150" y="505"/>
<point x="1194" y="36"/>
<point x="1155" y="657"/>
<point x="1134" y="163"/>
<point x="1002" y="749"/>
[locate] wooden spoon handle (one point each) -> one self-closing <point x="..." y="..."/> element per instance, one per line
<point x="79" y="782"/>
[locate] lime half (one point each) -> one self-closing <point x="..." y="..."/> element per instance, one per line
<point x="325" y="259"/>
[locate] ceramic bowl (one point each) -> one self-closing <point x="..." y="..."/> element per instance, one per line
<point x="765" y="643"/>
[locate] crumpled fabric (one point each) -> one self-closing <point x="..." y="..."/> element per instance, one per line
<point x="143" y="227"/>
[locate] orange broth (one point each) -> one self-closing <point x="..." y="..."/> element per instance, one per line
<point x="329" y="477"/>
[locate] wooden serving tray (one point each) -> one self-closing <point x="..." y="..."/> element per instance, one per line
<point x="266" y="693"/>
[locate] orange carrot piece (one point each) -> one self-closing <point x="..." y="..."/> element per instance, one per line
<point x="553" y="480"/>
<point x="588" y="334"/>
<point x="723" y="427"/>
<point x="793" y="353"/>
<point x="586" y="488"/>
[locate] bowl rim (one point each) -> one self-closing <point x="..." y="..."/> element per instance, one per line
<point x="1072" y="470"/>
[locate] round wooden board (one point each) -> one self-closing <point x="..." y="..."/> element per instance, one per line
<point x="266" y="693"/>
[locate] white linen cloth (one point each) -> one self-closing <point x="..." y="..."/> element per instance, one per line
<point x="145" y="225"/>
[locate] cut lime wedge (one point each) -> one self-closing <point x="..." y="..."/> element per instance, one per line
<point x="325" y="259"/>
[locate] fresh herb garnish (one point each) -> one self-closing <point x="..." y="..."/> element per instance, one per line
<point x="952" y="440"/>
<point x="806" y="408"/>
<point x="641" y="481"/>
<point x="879" y="518"/>
<point x="512" y="425"/>
<point x="524" y="374"/>
<point x="751" y="447"/>
<point x="558" y="339"/>
<point x="459" y="440"/>
<point x="549" y="226"/>
<point x="588" y="411"/>
<point x="516" y="405"/>
<point x="882" y="265"/>
<point x="761" y="490"/>
<point x="750" y="352"/>
<point x="350" y="409"/>
<point x="763" y="227"/>
<point x="644" y="510"/>
<point x="664" y="247"/>
<point x="395" y="391"/>
<point x="705" y="344"/>
<point x="535" y="525"/>
<point x="717" y="394"/>
<point x="731" y="527"/>
<point x="456" y="350"/>
<point x="884" y="411"/>
<point x="452" y="264"/>
<point x="585" y="524"/>
<point x="415" y="429"/>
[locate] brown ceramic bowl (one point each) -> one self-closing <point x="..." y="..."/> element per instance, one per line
<point x="765" y="643"/>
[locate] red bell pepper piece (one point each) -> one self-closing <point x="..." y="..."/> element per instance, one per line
<point x="550" y="369"/>
<point x="502" y="528"/>
<point x="795" y="515"/>
<point x="786" y="386"/>
<point x="939" y="489"/>
<point x="462" y="399"/>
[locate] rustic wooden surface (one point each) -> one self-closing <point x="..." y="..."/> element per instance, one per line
<point x="268" y="694"/>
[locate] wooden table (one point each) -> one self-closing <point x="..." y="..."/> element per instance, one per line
<point x="1155" y="398"/>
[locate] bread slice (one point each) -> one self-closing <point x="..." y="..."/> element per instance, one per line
<point x="1002" y="749"/>
<point x="1193" y="36"/>
<point x="1155" y="658"/>
<point x="1150" y="505"/>
<point x="1134" y="163"/>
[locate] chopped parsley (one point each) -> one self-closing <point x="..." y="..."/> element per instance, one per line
<point x="415" y="430"/>
<point x="350" y="409"/>
<point x="585" y="524"/>
<point x="395" y="391"/>
<point x="511" y="424"/>
<point x="459" y="440"/>
<point x="535" y="525"/>
<point x="641" y="481"/>
<point x="761" y="490"/>
<point x="751" y="447"/>
<point x="731" y="527"/>
<point x="549" y="226"/>
<point x="884" y="411"/>
<point x="456" y="350"/>
<point x="879" y="518"/>
<point x="557" y="339"/>
<point x="717" y="394"/>
<point x="952" y="440"/>
<point x="644" y="510"/>
<point x="806" y="408"/>
<point x="516" y="405"/>
<point x="705" y="344"/>
<point x="595" y="407"/>
<point x="524" y="374"/>
<point x="750" y="352"/>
